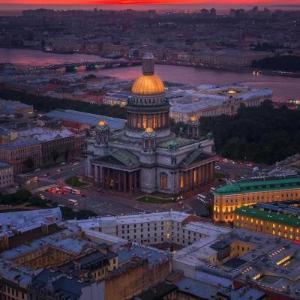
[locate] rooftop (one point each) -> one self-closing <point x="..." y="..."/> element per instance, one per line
<point x="22" y="221"/>
<point x="43" y="135"/>
<point x="196" y="288"/>
<point x="4" y="165"/>
<point x="87" y="118"/>
<point x="9" y="106"/>
<point x="133" y="219"/>
<point x="154" y="256"/>
<point x="205" y="96"/>
<point x="259" y="185"/>
<point x="20" y="143"/>
<point x="267" y="215"/>
<point x="148" y="85"/>
<point x="176" y="142"/>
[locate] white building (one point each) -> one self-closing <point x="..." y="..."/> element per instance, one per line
<point x="212" y="100"/>
<point x="186" y="231"/>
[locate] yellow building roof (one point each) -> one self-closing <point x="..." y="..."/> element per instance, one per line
<point x="148" y="85"/>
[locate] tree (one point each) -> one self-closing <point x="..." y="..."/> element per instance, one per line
<point x="67" y="153"/>
<point x="55" y="155"/>
<point x="29" y="163"/>
<point x="260" y="134"/>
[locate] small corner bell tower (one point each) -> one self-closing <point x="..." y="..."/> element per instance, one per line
<point x="102" y="133"/>
<point x="193" y="128"/>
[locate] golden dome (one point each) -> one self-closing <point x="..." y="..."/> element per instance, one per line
<point x="102" y="123"/>
<point x="148" y="85"/>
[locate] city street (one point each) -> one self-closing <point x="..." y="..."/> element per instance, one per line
<point x="112" y="203"/>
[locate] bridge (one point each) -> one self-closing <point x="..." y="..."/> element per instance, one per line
<point x="90" y="66"/>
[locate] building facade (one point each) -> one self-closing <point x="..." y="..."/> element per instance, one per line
<point x="112" y="99"/>
<point x="245" y="193"/>
<point x="23" y="154"/>
<point x="282" y="220"/>
<point x="6" y="175"/>
<point x="146" y="156"/>
<point x="38" y="147"/>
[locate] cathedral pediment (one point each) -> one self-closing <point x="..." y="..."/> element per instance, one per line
<point x="195" y="157"/>
<point x="119" y="157"/>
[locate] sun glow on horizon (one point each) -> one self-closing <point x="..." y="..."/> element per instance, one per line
<point x="147" y="2"/>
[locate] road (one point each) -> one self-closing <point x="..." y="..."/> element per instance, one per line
<point x="236" y="170"/>
<point x="103" y="203"/>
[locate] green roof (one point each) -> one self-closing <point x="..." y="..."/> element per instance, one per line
<point x="178" y="141"/>
<point x="120" y="157"/>
<point x="196" y="156"/>
<point x="259" y="185"/>
<point x="259" y="213"/>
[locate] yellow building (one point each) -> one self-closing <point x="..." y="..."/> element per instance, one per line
<point x="282" y="221"/>
<point x="244" y="193"/>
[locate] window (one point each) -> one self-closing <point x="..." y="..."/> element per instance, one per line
<point x="163" y="181"/>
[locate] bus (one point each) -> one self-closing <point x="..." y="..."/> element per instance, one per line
<point x="72" y="190"/>
<point x="73" y="202"/>
<point x="201" y="197"/>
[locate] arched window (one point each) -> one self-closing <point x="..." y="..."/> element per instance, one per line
<point x="163" y="181"/>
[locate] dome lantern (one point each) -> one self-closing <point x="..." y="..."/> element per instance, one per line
<point x="148" y="64"/>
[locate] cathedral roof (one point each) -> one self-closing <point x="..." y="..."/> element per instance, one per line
<point x="119" y="157"/>
<point x="148" y="85"/>
<point x="194" y="157"/>
<point x="176" y="142"/>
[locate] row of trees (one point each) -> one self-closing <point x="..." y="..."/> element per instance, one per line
<point x="46" y="104"/>
<point x="288" y="63"/>
<point x="259" y="134"/>
<point x="24" y="197"/>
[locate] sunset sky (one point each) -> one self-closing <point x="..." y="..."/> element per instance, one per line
<point x="221" y="5"/>
<point x="126" y="2"/>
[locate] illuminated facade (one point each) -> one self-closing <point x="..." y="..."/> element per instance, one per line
<point x="282" y="221"/>
<point x="146" y="156"/>
<point x="245" y="193"/>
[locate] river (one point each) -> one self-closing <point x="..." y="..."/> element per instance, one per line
<point x="284" y="88"/>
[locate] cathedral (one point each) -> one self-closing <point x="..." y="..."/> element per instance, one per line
<point x="146" y="156"/>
